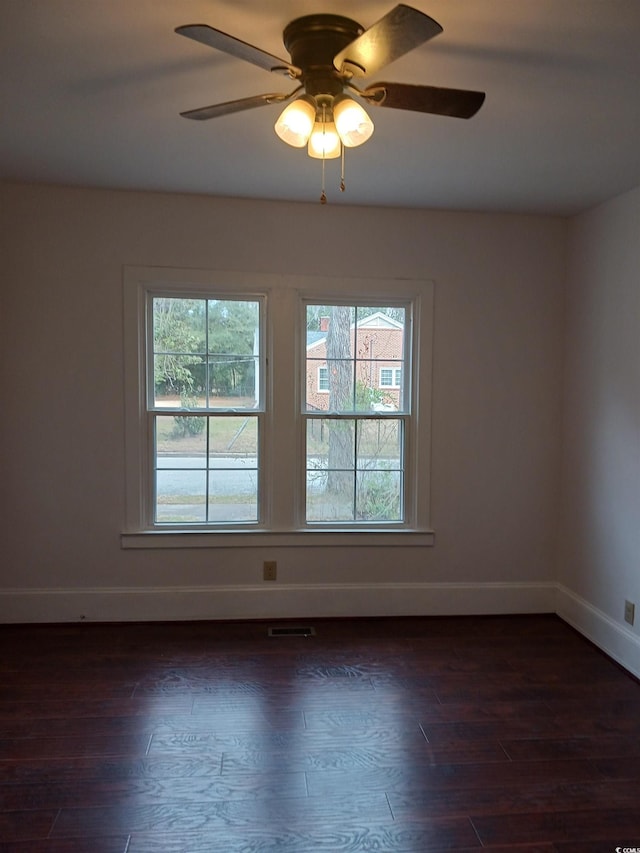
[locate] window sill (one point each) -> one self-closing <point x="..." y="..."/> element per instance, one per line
<point x="291" y="539"/>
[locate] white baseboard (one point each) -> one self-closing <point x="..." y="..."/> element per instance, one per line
<point x="613" y="638"/>
<point x="301" y="601"/>
<point x="273" y="601"/>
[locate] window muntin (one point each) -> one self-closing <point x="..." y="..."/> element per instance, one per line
<point x="355" y="452"/>
<point x="204" y="368"/>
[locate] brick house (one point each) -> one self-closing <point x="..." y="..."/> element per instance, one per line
<point x="377" y="351"/>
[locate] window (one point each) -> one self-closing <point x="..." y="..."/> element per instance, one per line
<point x="355" y="449"/>
<point x="323" y="379"/>
<point x="390" y="377"/>
<point x="266" y="408"/>
<point x="204" y="406"/>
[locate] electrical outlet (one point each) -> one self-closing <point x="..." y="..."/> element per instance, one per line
<point x="629" y="612"/>
<point x="270" y="570"/>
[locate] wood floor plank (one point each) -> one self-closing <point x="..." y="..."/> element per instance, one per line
<point x="52" y="771"/>
<point x="219" y="816"/>
<point x="72" y="747"/>
<point x="575" y="826"/>
<point x="369" y="718"/>
<point x="520" y="797"/>
<point x="605" y="845"/>
<point x="86" y="706"/>
<point x="445" y="777"/>
<point x="344" y="837"/>
<point x="94" y="793"/>
<point x="103" y="726"/>
<point x="21" y="825"/>
<point x="595" y="747"/>
<point x="477" y="712"/>
<point x="519" y="848"/>
<point x="113" y="844"/>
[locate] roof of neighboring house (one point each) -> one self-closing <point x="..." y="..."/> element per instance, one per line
<point x="315" y="337"/>
<point x="379" y="321"/>
<point x="374" y="321"/>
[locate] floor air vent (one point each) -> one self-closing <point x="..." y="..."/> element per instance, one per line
<point x="292" y="631"/>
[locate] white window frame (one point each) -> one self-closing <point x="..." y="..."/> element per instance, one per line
<point x="281" y="498"/>
<point x="211" y="411"/>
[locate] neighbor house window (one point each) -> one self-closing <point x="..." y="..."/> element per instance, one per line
<point x="268" y="406"/>
<point x="390" y="377"/>
<point x="323" y="379"/>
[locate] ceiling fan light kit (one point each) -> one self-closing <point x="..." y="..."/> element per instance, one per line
<point x="327" y="52"/>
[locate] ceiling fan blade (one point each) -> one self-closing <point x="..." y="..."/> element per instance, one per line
<point x="229" y="44"/>
<point x="215" y="110"/>
<point x="459" y="103"/>
<point x="398" y="32"/>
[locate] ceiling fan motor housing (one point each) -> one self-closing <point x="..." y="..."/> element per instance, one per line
<point x="312" y="42"/>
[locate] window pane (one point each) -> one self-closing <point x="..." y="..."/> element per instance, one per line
<point x="380" y="477"/>
<point x="330" y="495"/>
<point x="233" y="326"/>
<point x="179" y="381"/>
<point x="330" y="469"/>
<point x="235" y="436"/>
<point x="233" y="495"/>
<point x="179" y="325"/>
<point x="379" y="496"/>
<point x="330" y="444"/>
<point x="233" y="466"/>
<point x="233" y="346"/>
<point x="232" y="382"/>
<point x="179" y="341"/>
<point x="181" y="441"/>
<point x="379" y="443"/>
<point x="379" y="345"/>
<point x="180" y="496"/>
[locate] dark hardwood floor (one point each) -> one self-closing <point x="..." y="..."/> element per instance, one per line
<point x="464" y="734"/>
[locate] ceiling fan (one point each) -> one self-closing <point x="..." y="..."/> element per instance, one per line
<point x="327" y="53"/>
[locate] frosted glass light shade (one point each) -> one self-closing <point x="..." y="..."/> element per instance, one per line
<point x="296" y="122"/>
<point x="352" y="123"/>
<point x="324" y="142"/>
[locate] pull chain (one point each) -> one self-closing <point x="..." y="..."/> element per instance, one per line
<point x="323" y="195"/>
<point x="342" y="184"/>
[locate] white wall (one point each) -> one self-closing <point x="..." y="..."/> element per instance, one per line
<point x="600" y="546"/>
<point x="496" y="406"/>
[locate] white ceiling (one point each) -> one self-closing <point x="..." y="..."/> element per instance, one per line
<point x="91" y="92"/>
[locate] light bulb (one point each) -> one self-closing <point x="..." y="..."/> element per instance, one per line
<point x="296" y="121"/>
<point x="324" y="142"/>
<point x="352" y="123"/>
